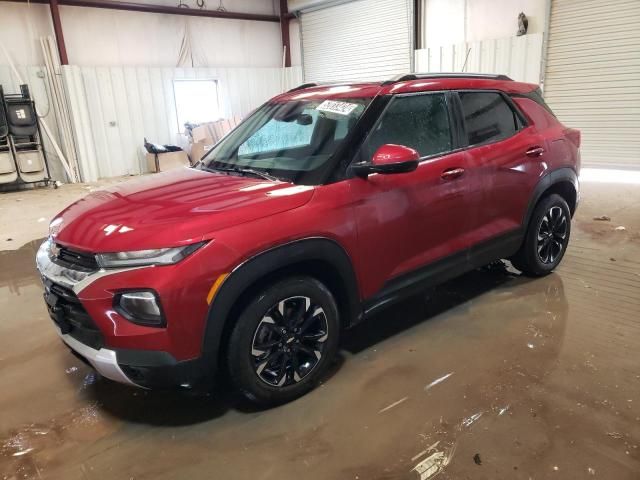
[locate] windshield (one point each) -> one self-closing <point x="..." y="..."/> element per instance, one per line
<point x="286" y="140"/>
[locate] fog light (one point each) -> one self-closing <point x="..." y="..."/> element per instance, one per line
<point x="142" y="307"/>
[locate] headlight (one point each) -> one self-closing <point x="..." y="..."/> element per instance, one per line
<point x="136" y="258"/>
<point x="54" y="227"/>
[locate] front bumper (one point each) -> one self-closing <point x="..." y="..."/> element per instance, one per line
<point x="80" y="304"/>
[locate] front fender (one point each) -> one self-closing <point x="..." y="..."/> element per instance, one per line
<point x="317" y="249"/>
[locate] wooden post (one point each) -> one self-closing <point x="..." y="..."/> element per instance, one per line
<point x="284" y="30"/>
<point x="57" y="28"/>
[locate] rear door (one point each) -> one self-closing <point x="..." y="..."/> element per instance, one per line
<point x="409" y="221"/>
<point x="507" y="158"/>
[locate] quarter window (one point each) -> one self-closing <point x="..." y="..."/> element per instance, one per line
<point x="420" y="122"/>
<point x="487" y="117"/>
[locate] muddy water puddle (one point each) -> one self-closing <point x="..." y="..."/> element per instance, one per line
<point x="490" y="376"/>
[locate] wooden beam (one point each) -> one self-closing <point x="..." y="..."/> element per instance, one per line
<point x="284" y="31"/>
<point x="57" y="28"/>
<point x="142" y="7"/>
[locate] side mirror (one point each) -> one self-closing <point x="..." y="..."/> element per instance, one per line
<point x="389" y="159"/>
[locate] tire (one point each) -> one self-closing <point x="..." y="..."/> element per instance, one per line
<point x="268" y="360"/>
<point x="546" y="239"/>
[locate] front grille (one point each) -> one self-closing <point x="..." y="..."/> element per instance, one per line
<point x="76" y="259"/>
<point x="66" y="310"/>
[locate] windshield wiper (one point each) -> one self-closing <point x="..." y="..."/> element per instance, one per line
<point x="244" y="171"/>
<point x="256" y="173"/>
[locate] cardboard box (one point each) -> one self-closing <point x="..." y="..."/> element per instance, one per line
<point x="204" y="133"/>
<point x="198" y="150"/>
<point x="211" y="132"/>
<point x="167" y="161"/>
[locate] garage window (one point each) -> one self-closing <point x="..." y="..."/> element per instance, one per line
<point x="488" y="117"/>
<point x="196" y="101"/>
<point x="420" y="122"/>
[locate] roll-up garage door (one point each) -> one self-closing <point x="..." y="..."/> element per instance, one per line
<point x="357" y="40"/>
<point x="592" y="79"/>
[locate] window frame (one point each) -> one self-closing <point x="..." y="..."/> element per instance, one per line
<point x="453" y="129"/>
<point x="464" y="137"/>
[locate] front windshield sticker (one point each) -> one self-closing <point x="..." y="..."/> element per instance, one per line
<point x="332" y="106"/>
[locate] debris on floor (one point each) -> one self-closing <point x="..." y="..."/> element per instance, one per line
<point x="438" y="380"/>
<point x="620" y="229"/>
<point x="504" y="410"/>
<point x="467" y="422"/>
<point x="394" y="404"/>
<point x="477" y="459"/>
<point x="603" y="218"/>
<point x="433" y="464"/>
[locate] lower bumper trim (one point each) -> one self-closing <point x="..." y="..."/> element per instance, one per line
<point x="103" y="360"/>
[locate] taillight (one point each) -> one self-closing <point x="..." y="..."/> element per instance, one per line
<point x="573" y="135"/>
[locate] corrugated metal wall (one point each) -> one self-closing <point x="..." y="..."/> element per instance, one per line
<point x="592" y="81"/>
<point x="114" y="108"/>
<point x="357" y="40"/>
<point x="518" y="57"/>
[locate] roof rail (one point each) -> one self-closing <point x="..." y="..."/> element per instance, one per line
<point x="303" y="86"/>
<point x="420" y="76"/>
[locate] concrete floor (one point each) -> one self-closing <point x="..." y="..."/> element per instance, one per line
<point x="492" y="376"/>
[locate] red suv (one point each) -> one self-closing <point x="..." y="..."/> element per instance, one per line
<point x="326" y="204"/>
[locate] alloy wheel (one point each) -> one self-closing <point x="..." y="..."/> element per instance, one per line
<point x="552" y="235"/>
<point x="289" y="341"/>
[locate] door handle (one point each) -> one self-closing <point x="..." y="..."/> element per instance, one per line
<point x="534" y="152"/>
<point x="452" y="173"/>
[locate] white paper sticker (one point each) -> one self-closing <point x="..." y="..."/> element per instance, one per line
<point x="334" y="106"/>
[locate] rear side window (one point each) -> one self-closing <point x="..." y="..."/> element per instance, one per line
<point x="420" y="122"/>
<point x="536" y="96"/>
<point x="488" y="117"/>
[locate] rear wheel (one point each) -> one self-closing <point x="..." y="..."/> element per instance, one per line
<point x="546" y="238"/>
<point x="284" y="341"/>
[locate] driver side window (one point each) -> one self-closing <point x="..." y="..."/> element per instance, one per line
<point x="420" y="122"/>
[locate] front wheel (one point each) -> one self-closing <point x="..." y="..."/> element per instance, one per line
<point x="546" y="239"/>
<point x="284" y="341"/>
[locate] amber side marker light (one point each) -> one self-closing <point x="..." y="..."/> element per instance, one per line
<point x="215" y="287"/>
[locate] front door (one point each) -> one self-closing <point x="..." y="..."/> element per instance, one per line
<point x="409" y="221"/>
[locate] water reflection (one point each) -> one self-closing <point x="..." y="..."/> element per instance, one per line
<point x="18" y="267"/>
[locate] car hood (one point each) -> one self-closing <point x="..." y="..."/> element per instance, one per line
<point x="171" y="209"/>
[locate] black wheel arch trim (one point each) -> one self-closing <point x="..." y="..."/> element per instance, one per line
<point x="560" y="175"/>
<point x="259" y="266"/>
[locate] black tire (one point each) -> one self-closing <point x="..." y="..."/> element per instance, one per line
<point x="546" y="239"/>
<point x="283" y="367"/>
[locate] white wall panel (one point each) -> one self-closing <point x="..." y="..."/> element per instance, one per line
<point x="114" y="108"/>
<point x="453" y="21"/>
<point x="517" y="57"/>
<point x="102" y="37"/>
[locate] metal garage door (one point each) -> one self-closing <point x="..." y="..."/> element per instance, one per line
<point x="592" y="77"/>
<point x="358" y="40"/>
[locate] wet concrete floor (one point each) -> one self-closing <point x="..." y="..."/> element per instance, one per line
<point x="491" y="376"/>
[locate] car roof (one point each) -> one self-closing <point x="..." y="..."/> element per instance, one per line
<point x="409" y="83"/>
